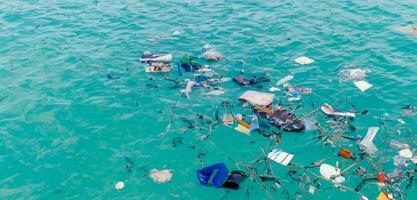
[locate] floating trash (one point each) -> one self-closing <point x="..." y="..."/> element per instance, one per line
<point x="280" y="157"/>
<point x="303" y="60"/>
<point x="152" y="57"/>
<point x="160" y="176"/>
<point x="284" y="80"/>
<point x="362" y="85"/>
<point x="119" y="185"/>
<point x="213" y="54"/>
<point x="367" y="142"/>
<point x="257" y="98"/>
<point x="331" y="173"/>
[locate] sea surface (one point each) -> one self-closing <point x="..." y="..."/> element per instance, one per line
<point x="69" y="132"/>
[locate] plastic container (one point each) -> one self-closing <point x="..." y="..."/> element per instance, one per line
<point x="234" y="180"/>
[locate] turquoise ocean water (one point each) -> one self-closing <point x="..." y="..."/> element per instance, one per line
<point x="66" y="131"/>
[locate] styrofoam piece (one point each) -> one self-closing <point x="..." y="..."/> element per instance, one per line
<point x="304" y="60"/>
<point x="362" y="85"/>
<point x="367" y="142"/>
<point x="257" y="98"/>
<point x="280" y="157"/>
<point x="119" y="185"/>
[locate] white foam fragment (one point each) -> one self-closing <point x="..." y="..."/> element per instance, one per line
<point x="362" y="85"/>
<point x="303" y="60"/>
<point x="119" y="185"/>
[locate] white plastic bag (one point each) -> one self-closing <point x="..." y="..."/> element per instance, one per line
<point x="367" y="143"/>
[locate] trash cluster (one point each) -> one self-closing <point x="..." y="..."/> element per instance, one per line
<point x="360" y="161"/>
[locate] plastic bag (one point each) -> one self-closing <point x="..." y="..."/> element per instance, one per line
<point x="367" y="143"/>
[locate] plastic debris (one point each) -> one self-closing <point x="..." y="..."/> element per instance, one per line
<point x="242" y="129"/>
<point x="397" y="172"/>
<point x="345" y="153"/>
<point x="381" y="179"/>
<point x="352" y="74"/>
<point x="398" y="145"/>
<point x="284" y="80"/>
<point x="188" y="87"/>
<point x="214" y="175"/>
<point x="294" y="96"/>
<point x="411" y="29"/>
<point x="311" y="189"/>
<point x="280" y="157"/>
<point x="401" y="121"/>
<point x="213" y="54"/>
<point x="234" y="179"/>
<point x="241" y="122"/>
<point x="362" y="85"/>
<point x="158" y="67"/>
<point x="207" y="46"/>
<point x="328" y="110"/>
<point x="111" y="77"/>
<point x="331" y="173"/>
<point x="244" y="81"/>
<point x="303" y="60"/>
<point x="257" y="98"/>
<point x="367" y="143"/>
<point x="406" y="153"/>
<point x="176" y="33"/>
<point x="151" y="57"/>
<point x="383" y="196"/>
<point x="274" y="89"/>
<point x="119" y="185"/>
<point x="298" y="89"/>
<point x="215" y="92"/>
<point x="254" y="125"/>
<point x="160" y="176"/>
<point x="310" y="125"/>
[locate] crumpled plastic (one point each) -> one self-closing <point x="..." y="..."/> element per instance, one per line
<point x="160" y="176"/>
<point x="257" y="98"/>
<point x="352" y="74"/>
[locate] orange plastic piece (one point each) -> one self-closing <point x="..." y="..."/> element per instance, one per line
<point x="345" y="153"/>
<point x="383" y="196"/>
<point x="243" y="123"/>
<point x="381" y="178"/>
